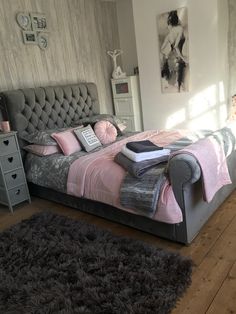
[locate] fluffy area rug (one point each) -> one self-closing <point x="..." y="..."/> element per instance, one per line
<point x="53" y="264"/>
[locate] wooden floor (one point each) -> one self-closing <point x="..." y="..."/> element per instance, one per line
<point x="213" y="288"/>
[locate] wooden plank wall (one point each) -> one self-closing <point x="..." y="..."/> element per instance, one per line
<point x="81" y="31"/>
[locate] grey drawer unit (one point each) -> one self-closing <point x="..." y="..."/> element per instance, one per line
<point x="9" y="162"/>
<point x="17" y="195"/>
<point x="8" y="144"/>
<point x="13" y="185"/>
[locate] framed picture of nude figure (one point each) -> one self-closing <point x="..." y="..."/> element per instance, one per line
<point x="173" y="50"/>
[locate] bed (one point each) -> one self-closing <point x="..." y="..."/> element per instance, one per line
<point x="29" y="110"/>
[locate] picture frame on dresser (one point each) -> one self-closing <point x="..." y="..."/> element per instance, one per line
<point x="13" y="185"/>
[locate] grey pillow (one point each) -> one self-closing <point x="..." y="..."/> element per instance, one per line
<point x="41" y="137"/>
<point x="94" y="119"/>
<point x="87" y="138"/>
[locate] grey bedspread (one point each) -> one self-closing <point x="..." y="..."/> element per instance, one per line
<point x="52" y="171"/>
<point x="142" y="194"/>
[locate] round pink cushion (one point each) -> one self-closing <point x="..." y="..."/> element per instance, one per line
<point x="105" y="131"/>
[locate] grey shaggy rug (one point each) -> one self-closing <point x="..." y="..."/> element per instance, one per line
<point x="53" y="264"/>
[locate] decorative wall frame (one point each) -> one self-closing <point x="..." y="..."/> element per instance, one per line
<point x="24" y="20"/>
<point x="39" y="22"/>
<point x="174" y="52"/>
<point x="30" y="37"/>
<point x="43" y="41"/>
<point x="35" y="29"/>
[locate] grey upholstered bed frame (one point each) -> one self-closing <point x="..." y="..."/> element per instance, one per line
<point x="51" y="107"/>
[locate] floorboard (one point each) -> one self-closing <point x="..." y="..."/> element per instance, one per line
<point x="225" y="300"/>
<point x="213" y="288"/>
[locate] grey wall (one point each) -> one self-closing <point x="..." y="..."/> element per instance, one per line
<point x="127" y="36"/>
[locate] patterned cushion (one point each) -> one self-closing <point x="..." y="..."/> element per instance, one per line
<point x="87" y="138"/>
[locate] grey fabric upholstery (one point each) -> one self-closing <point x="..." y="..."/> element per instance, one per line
<point x="43" y="108"/>
<point x="183" y="169"/>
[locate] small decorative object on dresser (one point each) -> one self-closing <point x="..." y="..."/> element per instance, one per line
<point x="126" y="96"/>
<point x="5" y="126"/>
<point x="13" y="186"/>
<point x="117" y="72"/>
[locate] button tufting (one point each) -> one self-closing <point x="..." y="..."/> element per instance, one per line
<point x="67" y="104"/>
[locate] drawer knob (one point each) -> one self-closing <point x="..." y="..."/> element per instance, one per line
<point x="10" y="159"/>
<point x="17" y="192"/>
<point x="14" y="176"/>
<point x="6" y="142"/>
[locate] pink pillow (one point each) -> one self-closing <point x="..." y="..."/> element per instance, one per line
<point x="42" y="150"/>
<point x="105" y="131"/>
<point x="67" y="141"/>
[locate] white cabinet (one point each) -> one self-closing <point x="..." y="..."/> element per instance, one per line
<point x="126" y="96"/>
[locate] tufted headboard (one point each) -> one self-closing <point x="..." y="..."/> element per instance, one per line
<point x="33" y="109"/>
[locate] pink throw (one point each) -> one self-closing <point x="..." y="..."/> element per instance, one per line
<point x="211" y="158"/>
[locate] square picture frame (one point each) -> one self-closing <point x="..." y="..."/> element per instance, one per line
<point x="30" y="37"/>
<point x="39" y="22"/>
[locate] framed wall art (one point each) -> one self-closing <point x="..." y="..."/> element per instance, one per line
<point x="39" y="22"/>
<point x="35" y="29"/>
<point x="24" y="20"/>
<point x="30" y="37"/>
<point x="43" y="40"/>
<point x="174" y="52"/>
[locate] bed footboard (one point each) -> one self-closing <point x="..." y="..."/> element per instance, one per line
<point x="185" y="177"/>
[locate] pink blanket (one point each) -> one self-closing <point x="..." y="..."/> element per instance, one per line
<point x="97" y="177"/>
<point x="211" y="158"/>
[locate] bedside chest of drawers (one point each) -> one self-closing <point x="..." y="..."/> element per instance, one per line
<point x="13" y="185"/>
